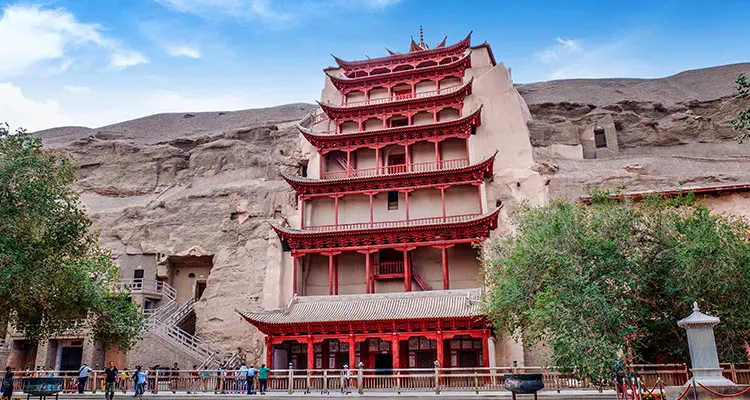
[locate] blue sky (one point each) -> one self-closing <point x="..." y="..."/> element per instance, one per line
<point x="96" y="62"/>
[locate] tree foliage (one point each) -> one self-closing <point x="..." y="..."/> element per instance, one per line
<point x="595" y="282"/>
<point x="52" y="270"/>
<point x="742" y="123"/>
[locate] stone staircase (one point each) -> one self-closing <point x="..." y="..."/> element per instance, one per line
<point x="164" y="322"/>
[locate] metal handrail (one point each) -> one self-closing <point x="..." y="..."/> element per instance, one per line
<point x="397" y="169"/>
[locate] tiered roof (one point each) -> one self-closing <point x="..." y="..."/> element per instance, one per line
<point x="458" y="128"/>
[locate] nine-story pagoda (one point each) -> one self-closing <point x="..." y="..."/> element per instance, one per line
<point x="392" y="205"/>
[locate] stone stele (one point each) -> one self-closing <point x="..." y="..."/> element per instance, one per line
<point x="703" y="356"/>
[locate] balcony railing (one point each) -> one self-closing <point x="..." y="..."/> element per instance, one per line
<point x="392" y="224"/>
<point x="147" y="285"/>
<point x="400" y="97"/>
<point x="397" y="169"/>
<point x="389" y="269"/>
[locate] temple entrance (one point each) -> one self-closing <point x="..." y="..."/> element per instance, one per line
<point x="465" y="352"/>
<point x="70" y="358"/>
<point x="383" y="364"/>
<point x="422" y="352"/>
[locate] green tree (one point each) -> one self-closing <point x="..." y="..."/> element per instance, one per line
<point x="52" y="270"/>
<point x="742" y="123"/>
<point x="598" y="282"/>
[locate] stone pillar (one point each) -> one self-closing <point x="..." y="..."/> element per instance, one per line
<point x="703" y="356"/>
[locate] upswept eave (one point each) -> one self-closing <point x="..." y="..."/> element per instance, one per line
<point x="343" y="82"/>
<point x="459" y="46"/>
<point x="333" y="111"/>
<point x="329" y="141"/>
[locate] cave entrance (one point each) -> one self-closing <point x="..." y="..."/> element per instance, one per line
<point x="187" y="273"/>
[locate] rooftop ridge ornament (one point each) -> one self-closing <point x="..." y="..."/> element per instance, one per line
<point x="704" y="358"/>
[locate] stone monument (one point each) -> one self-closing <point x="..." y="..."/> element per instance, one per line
<point x="703" y="356"/>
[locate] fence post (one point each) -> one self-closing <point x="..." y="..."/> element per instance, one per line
<point x="476" y="382"/>
<point x="156" y="382"/>
<point x="95" y="383"/>
<point x="360" y="378"/>
<point x="437" y="377"/>
<point x="307" y="382"/>
<point x="291" y="381"/>
<point x="325" y="382"/>
<point x="398" y="382"/>
<point x="734" y="372"/>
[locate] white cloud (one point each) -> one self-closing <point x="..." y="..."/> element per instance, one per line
<point x="77" y="89"/>
<point x="31" y="114"/>
<point x="563" y="48"/>
<point x="126" y="59"/>
<point x="183" y="51"/>
<point x="33" y="35"/>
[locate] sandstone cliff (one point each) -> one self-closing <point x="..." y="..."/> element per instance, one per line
<point x="671" y="132"/>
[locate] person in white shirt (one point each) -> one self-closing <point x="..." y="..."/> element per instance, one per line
<point x="83" y="376"/>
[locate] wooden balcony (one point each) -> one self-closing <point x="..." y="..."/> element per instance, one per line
<point x="392" y="224"/>
<point x="397" y="169"/>
<point x="389" y="270"/>
<point x="402" y="97"/>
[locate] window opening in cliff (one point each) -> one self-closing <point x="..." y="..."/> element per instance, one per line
<point x="600" y="139"/>
<point x="138" y="273"/>
<point x="393" y="200"/>
<point x="303" y="171"/>
<point x="188" y="273"/>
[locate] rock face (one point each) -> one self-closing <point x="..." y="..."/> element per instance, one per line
<point x="166" y="183"/>
<point x="150" y="189"/>
<point x="669" y="132"/>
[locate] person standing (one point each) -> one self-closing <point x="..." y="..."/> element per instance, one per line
<point x="83" y="376"/>
<point x="251" y="379"/>
<point x="110" y="380"/>
<point x="175" y="378"/>
<point x="7" y="384"/>
<point x="347" y="374"/>
<point x="263" y="378"/>
<point x="139" y="377"/>
<point x="242" y="376"/>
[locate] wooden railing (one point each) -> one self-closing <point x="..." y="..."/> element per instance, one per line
<point x="400" y="97"/>
<point x="389" y="269"/>
<point x="392" y="224"/>
<point x="397" y="169"/>
<point x="368" y="380"/>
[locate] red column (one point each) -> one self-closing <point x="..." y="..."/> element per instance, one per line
<point x="371" y="194"/>
<point x="336" y="210"/>
<point x="440" y="353"/>
<point x="406" y="203"/>
<point x="442" y="200"/>
<point x="348" y="163"/>
<point x="438" y="157"/>
<point x="479" y="192"/>
<point x="368" y="272"/>
<point x="361" y="125"/>
<point x="377" y="161"/>
<point x="485" y="348"/>
<point x="407" y="272"/>
<point x="269" y="352"/>
<point x="395" y="351"/>
<point x="294" y="276"/>
<point x="302" y="207"/>
<point x="446" y="277"/>
<point x="408" y="158"/>
<point x="330" y="274"/>
<point x="310" y="353"/>
<point x="352" y="353"/>
<point x="336" y="275"/>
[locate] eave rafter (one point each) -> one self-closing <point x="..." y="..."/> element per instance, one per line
<point x="346" y="85"/>
<point x="342" y="329"/>
<point x="447" y="51"/>
<point x="420" y="103"/>
<point x="458" y="128"/>
<point x="469" y="174"/>
<point x="475" y="229"/>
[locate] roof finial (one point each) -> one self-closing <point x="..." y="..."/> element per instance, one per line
<point x="421" y="36"/>
<point x="695" y="306"/>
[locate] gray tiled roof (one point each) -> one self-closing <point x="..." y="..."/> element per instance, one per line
<point x="373" y="307"/>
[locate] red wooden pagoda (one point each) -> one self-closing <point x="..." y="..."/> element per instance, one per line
<point x="392" y="204"/>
